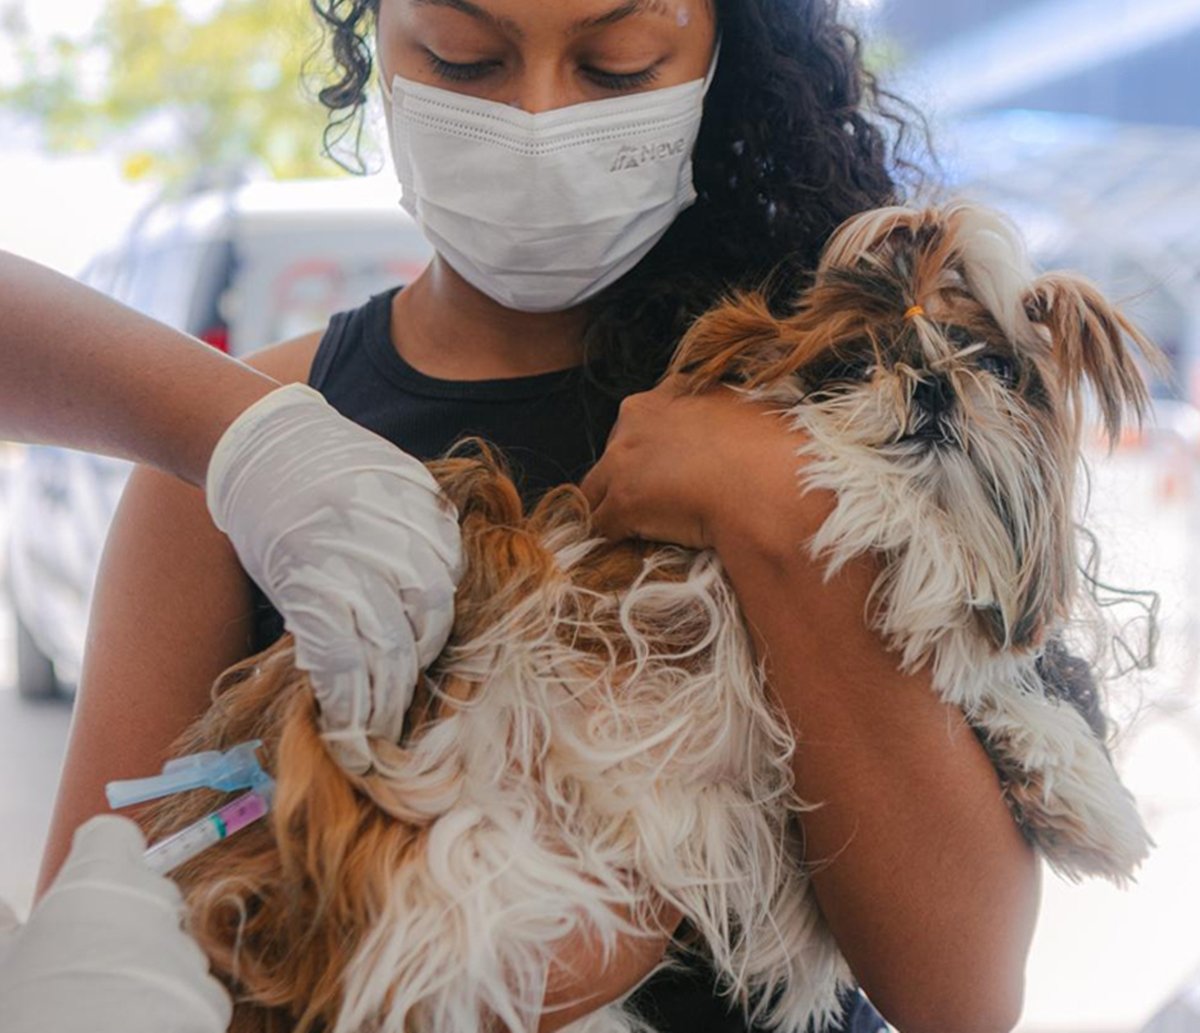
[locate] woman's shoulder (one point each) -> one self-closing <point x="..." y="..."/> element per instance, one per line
<point x="308" y="358"/>
<point x="290" y="361"/>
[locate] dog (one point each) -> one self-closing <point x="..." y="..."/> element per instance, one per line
<point x="597" y="740"/>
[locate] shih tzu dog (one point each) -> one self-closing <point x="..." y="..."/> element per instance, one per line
<point x="598" y="739"/>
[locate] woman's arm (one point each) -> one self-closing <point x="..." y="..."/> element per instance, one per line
<point x="930" y="889"/>
<point x="81" y="370"/>
<point x="580" y="982"/>
<point x="928" y="886"/>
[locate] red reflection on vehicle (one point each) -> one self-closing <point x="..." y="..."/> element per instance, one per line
<point x="217" y="336"/>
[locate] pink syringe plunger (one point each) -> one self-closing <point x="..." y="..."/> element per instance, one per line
<point x="170" y="853"/>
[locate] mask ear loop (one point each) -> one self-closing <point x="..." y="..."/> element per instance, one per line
<point x="712" y="65"/>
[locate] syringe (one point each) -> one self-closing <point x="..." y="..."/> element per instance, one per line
<point x="168" y="854"/>
<point x="236" y="768"/>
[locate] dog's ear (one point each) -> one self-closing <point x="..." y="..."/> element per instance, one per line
<point x="1089" y="339"/>
<point x="738" y="341"/>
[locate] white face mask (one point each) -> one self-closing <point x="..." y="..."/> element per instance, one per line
<point x="542" y="211"/>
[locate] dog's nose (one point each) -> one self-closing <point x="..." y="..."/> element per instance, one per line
<point x="934" y="394"/>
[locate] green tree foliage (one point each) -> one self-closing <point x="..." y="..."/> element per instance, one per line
<point x="183" y="91"/>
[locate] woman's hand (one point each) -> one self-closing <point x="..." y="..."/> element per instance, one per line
<point x="683" y="467"/>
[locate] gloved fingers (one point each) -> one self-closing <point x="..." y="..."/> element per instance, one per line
<point x="394" y="675"/>
<point x="410" y="606"/>
<point x="186" y="967"/>
<point x="107" y="851"/>
<point x="322" y="623"/>
<point x="8" y="917"/>
<point x="106" y="836"/>
<point x="432" y="522"/>
<point x="115" y="965"/>
<point x="344" y="698"/>
<point x="350" y="749"/>
<point x="214" y="994"/>
<point x="428" y="602"/>
<point x="104" y="950"/>
<point x="370" y="702"/>
<point x="10" y="930"/>
<point x="339" y="613"/>
<point x="381" y="618"/>
<point x="389" y="520"/>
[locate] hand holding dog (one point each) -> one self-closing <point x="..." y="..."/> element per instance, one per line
<point x="692" y="468"/>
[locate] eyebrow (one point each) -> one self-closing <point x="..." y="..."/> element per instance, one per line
<point x="625" y="10"/>
<point x="630" y="7"/>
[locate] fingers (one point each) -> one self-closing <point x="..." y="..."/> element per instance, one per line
<point x="595" y="484"/>
<point x="344" y="698"/>
<point x="393" y="676"/>
<point x="607" y="524"/>
<point x="107" y="851"/>
<point x="106" y="837"/>
<point x="349" y="749"/>
<point x="367" y="702"/>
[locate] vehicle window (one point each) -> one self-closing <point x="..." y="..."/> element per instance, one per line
<point x="289" y="282"/>
<point x="161" y="280"/>
<point x="305" y="293"/>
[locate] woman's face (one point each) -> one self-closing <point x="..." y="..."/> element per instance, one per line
<point x="539" y="55"/>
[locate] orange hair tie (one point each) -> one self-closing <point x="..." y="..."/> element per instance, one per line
<point x="916" y="310"/>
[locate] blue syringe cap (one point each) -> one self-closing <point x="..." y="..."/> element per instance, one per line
<point x="236" y="768"/>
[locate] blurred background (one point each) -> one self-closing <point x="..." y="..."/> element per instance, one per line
<point x="167" y="153"/>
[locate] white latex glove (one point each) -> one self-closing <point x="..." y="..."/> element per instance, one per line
<point x="104" y="952"/>
<point x="353" y="542"/>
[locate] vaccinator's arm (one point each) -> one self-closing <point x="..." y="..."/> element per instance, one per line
<point x="80" y="370"/>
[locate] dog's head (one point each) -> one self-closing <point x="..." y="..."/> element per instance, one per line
<point x="927" y="340"/>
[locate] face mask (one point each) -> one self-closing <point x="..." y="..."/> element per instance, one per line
<point x="542" y="211"/>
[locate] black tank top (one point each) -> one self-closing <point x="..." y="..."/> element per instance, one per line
<point x="551" y="427"/>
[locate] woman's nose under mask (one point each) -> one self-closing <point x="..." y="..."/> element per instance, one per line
<point x="542" y="211"/>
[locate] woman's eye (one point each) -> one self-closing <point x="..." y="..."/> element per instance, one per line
<point x="455" y="72"/>
<point x="999" y="367"/>
<point x="622" y="80"/>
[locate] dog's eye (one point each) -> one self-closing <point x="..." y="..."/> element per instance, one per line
<point x="1000" y="367"/>
<point x="851" y="371"/>
<point x="839" y="370"/>
<point x="960" y="337"/>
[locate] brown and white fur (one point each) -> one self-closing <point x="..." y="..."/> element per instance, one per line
<point x="597" y="737"/>
<point x="942" y="389"/>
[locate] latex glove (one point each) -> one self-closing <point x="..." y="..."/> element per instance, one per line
<point x="104" y="952"/>
<point x="353" y="542"/>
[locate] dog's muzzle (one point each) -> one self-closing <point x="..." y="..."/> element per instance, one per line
<point x="933" y="395"/>
<point x="932" y="402"/>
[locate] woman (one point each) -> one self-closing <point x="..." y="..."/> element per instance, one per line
<point x="537" y="315"/>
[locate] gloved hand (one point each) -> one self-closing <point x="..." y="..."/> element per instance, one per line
<point x="104" y="953"/>
<point x="352" y="541"/>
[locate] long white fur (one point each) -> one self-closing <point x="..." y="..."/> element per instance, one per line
<point x="583" y="786"/>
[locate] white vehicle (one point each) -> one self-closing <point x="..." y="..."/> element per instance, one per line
<point x="240" y="269"/>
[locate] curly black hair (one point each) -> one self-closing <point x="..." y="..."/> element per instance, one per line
<point x="796" y="137"/>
